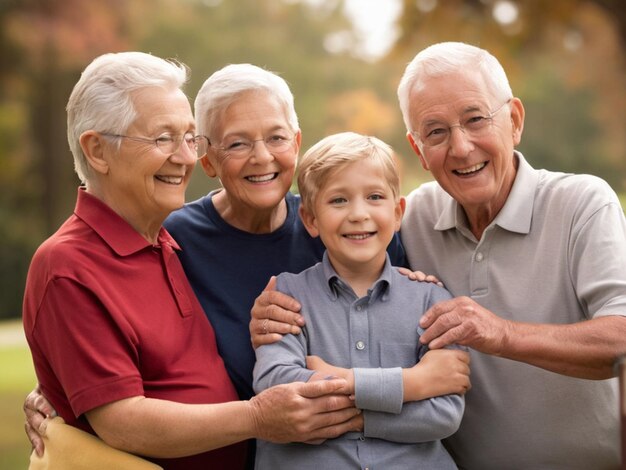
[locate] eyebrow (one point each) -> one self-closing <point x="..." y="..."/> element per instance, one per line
<point x="172" y="128"/>
<point x="242" y="133"/>
<point x="468" y="109"/>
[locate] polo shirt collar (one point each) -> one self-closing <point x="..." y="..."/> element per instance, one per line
<point x="113" y="229"/>
<point x="334" y="282"/>
<point x="515" y="216"/>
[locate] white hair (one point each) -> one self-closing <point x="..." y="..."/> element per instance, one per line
<point x="102" y="99"/>
<point x="451" y="57"/>
<point x="224" y="86"/>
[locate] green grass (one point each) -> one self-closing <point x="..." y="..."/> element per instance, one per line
<point x="17" y="378"/>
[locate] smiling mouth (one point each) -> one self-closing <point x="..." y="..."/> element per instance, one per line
<point x="175" y="180"/>
<point x="359" y="236"/>
<point x="470" y="170"/>
<point x="262" y="178"/>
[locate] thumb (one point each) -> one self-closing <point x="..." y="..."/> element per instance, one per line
<point x="271" y="285"/>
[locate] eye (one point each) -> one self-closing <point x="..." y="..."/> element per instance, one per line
<point x="476" y="122"/>
<point x="164" y="139"/>
<point x="237" y="145"/>
<point x="338" y="200"/>
<point x="436" y="132"/>
<point x="377" y="197"/>
<point x="277" y="138"/>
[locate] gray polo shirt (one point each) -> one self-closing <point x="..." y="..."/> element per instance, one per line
<point x="556" y="253"/>
<point x="375" y="335"/>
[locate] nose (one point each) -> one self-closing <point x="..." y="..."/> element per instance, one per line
<point x="358" y="211"/>
<point x="460" y="142"/>
<point x="184" y="155"/>
<point x="260" y="152"/>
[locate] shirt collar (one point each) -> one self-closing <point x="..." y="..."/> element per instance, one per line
<point x="334" y="284"/>
<point x="113" y="229"/>
<point x="515" y="216"/>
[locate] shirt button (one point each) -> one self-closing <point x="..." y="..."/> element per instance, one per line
<point x="359" y="308"/>
<point x="360" y="345"/>
<point x="479" y="257"/>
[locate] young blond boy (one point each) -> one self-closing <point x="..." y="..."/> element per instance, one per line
<point x="361" y="317"/>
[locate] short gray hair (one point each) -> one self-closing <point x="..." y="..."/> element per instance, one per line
<point x="224" y="86"/>
<point x="337" y="151"/>
<point x="102" y="98"/>
<point x="449" y="57"/>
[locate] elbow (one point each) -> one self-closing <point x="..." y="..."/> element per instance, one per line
<point x="448" y="418"/>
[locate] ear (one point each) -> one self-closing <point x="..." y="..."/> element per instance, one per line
<point x="309" y="221"/>
<point x="298" y="140"/>
<point x="93" y="146"/>
<point x="517" y="119"/>
<point x="417" y="151"/>
<point x="399" y="213"/>
<point x="207" y="166"/>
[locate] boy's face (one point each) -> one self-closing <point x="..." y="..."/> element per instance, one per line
<point x="355" y="215"/>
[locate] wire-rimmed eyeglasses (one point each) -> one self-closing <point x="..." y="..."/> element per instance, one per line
<point x="168" y="144"/>
<point x="473" y="124"/>
<point x="239" y="147"/>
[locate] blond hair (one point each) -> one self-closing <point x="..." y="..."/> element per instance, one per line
<point x="335" y="152"/>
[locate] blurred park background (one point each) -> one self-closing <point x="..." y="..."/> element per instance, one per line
<point x="566" y="60"/>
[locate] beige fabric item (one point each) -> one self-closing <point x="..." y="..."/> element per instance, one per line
<point x="69" y="448"/>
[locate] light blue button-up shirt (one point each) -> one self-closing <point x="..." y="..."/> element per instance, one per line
<point x="376" y="335"/>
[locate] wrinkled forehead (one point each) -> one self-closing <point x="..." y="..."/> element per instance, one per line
<point x="448" y="95"/>
<point x="250" y="111"/>
<point x="161" y="108"/>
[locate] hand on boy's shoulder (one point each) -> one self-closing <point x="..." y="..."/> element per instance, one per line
<point x="420" y="276"/>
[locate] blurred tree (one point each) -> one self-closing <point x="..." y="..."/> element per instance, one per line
<point x="45" y="44"/>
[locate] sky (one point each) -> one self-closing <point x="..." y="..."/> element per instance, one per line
<point x="374" y="21"/>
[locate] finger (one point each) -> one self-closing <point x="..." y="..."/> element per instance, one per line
<point x="413" y="275"/>
<point x="336" y="429"/>
<point x="267" y="331"/>
<point x="35" y="439"/>
<point x="404" y="271"/>
<point x="459" y="354"/>
<point x="271" y="285"/>
<point x="326" y="387"/>
<point x="279" y="307"/>
<point x="434" y="280"/>
<point x="43" y="406"/>
<point x="271" y="326"/>
<point x="446" y="338"/>
<point x="261" y="339"/>
<point x="436" y="311"/>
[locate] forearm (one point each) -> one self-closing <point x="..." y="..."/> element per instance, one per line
<point x="423" y="421"/>
<point x="280" y="363"/>
<point x="586" y="350"/>
<point x="159" y="428"/>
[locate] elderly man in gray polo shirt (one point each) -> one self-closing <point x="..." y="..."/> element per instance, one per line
<point x="541" y="257"/>
<point x="537" y="260"/>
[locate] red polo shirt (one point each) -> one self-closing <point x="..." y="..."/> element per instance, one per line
<point x="109" y="316"/>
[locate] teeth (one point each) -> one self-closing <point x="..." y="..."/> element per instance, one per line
<point x="471" y="169"/>
<point x="359" y="236"/>
<point x="262" y="178"/>
<point x="170" y="179"/>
